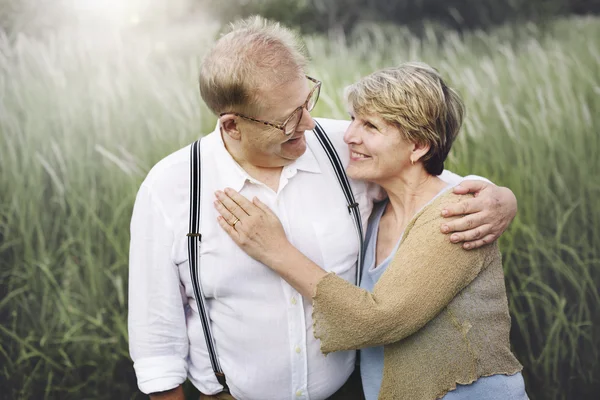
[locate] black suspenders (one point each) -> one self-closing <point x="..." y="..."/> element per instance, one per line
<point x="195" y="237"/>
<point x="194" y="242"/>
<point x="351" y="203"/>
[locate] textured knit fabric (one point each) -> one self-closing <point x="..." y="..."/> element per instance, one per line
<point x="440" y="311"/>
<point x="495" y="387"/>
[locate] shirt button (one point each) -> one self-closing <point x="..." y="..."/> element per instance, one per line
<point x="299" y="393"/>
<point x="298" y="349"/>
<point x="293" y="301"/>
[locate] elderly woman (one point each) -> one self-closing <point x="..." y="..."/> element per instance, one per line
<point x="430" y="317"/>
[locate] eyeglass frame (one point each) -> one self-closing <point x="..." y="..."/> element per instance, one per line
<point x="281" y="126"/>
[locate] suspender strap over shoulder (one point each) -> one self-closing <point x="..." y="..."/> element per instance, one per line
<point x="195" y="237"/>
<point x="352" y="205"/>
<point x="194" y="243"/>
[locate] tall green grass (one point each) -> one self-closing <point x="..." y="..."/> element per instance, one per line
<point x="82" y="120"/>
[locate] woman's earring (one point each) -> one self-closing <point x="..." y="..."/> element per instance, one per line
<point x="412" y="162"/>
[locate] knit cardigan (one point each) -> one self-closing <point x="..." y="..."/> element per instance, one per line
<point x="440" y="312"/>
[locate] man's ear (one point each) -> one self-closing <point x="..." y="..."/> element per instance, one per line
<point x="229" y="126"/>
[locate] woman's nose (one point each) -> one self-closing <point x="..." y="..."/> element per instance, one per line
<point x="350" y="136"/>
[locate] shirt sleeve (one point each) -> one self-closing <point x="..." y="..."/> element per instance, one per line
<point x="454" y="179"/>
<point x="427" y="272"/>
<point x="157" y="329"/>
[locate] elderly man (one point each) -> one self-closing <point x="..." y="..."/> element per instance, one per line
<point x="254" y="80"/>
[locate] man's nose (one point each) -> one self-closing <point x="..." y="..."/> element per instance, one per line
<point x="306" y="121"/>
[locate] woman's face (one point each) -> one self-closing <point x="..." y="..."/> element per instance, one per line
<point x="378" y="151"/>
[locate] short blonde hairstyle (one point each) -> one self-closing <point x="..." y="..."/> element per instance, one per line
<point x="256" y="55"/>
<point x="414" y="98"/>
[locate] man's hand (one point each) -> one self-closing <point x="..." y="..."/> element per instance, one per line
<point x="485" y="216"/>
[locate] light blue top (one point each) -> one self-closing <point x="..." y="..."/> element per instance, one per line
<point x="496" y="387"/>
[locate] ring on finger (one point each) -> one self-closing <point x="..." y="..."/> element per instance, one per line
<point x="235" y="222"/>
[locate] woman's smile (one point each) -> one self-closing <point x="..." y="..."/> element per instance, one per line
<point x="356" y="156"/>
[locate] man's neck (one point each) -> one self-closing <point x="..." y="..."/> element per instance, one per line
<point x="268" y="176"/>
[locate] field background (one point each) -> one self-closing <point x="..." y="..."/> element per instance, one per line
<point x="83" y="116"/>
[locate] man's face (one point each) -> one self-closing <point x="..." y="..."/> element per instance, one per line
<point x="267" y="147"/>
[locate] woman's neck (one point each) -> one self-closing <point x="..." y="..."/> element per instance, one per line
<point x="409" y="193"/>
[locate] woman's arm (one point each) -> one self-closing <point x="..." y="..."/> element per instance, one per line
<point x="426" y="274"/>
<point x="297" y="270"/>
<point x="260" y="234"/>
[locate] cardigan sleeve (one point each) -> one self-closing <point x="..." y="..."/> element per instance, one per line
<point x="427" y="272"/>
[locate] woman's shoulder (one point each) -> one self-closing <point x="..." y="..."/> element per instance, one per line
<point x="432" y="212"/>
<point x="425" y="230"/>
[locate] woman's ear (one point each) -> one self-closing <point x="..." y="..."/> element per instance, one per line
<point x="418" y="151"/>
<point x="229" y="126"/>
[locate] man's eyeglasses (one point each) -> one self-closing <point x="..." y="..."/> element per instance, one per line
<point x="291" y="123"/>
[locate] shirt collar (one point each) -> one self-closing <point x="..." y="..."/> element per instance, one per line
<point x="233" y="174"/>
<point x="307" y="161"/>
<point x="236" y="176"/>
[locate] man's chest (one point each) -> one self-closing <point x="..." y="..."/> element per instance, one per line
<point x="315" y="219"/>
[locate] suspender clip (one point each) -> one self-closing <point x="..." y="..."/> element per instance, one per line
<point x="198" y="235"/>
<point x="351" y="206"/>
<point x="221" y="378"/>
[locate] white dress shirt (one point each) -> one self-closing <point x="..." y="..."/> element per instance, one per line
<point x="261" y="325"/>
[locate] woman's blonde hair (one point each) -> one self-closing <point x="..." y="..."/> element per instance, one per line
<point x="256" y="55"/>
<point x="414" y="98"/>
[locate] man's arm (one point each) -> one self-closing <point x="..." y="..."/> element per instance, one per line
<point x="485" y="216"/>
<point x="174" y="394"/>
<point x="158" y="341"/>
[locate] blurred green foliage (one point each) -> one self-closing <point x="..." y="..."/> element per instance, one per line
<point x="309" y="16"/>
<point x="323" y="15"/>
<point x="30" y="15"/>
<point x="82" y="121"/>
